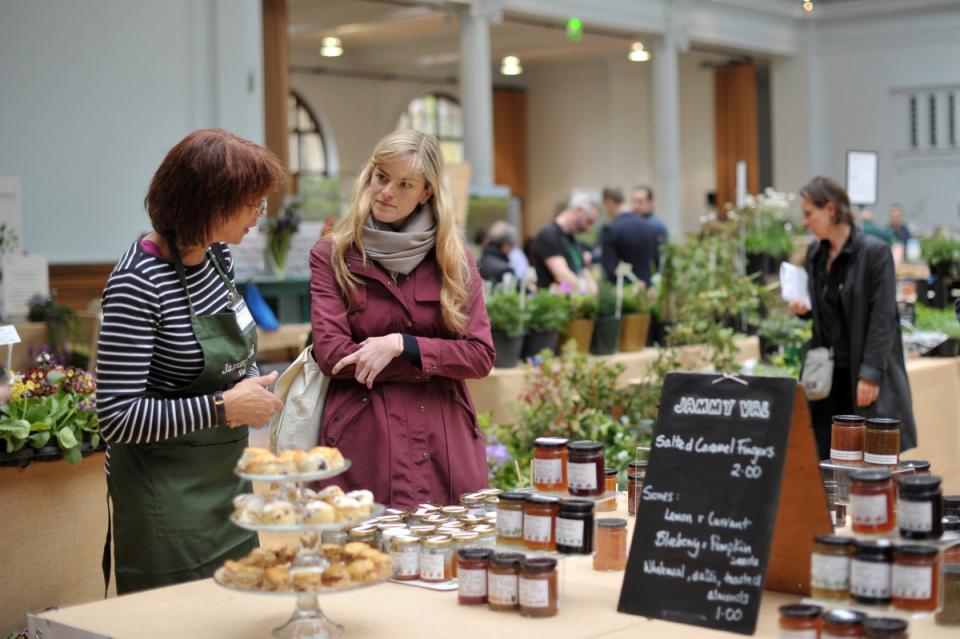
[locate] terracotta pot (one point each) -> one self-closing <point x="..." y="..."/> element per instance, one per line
<point x="606" y="334"/>
<point x="633" y="332"/>
<point x="580" y="331"/>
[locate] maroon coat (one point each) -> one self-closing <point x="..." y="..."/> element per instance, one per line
<point x="413" y="438"/>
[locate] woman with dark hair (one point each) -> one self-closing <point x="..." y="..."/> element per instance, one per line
<point x="853" y="289"/>
<point x="177" y="382"/>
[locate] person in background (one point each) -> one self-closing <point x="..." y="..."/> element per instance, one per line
<point x="501" y="239"/>
<point x="870" y="227"/>
<point x="613" y="202"/>
<point x="176" y="378"/>
<point x="852" y="287"/>
<point x="399" y="324"/>
<point x="557" y="256"/>
<point x="643" y="206"/>
<point x="632" y="239"/>
<point x="900" y="231"/>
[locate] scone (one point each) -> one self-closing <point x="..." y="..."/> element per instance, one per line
<point x="333" y="553"/>
<point x="249" y="454"/>
<point x="365" y="497"/>
<point x="248" y="509"/>
<point x="242" y="575"/>
<point x="357" y="550"/>
<point x="277" y="578"/>
<point x="279" y="513"/>
<point x="330" y="493"/>
<point x="312" y="461"/>
<point x="349" y="508"/>
<point x="318" y="512"/>
<point x="336" y="577"/>
<point x="362" y="570"/>
<point x="333" y="456"/>
<point x="287" y="461"/>
<point x="263" y="465"/>
<point x="261" y="558"/>
<point x="307" y="580"/>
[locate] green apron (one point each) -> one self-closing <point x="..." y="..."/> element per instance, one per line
<point x="172" y="499"/>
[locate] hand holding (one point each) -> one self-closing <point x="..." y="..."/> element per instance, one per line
<point x="372" y="357"/>
<point x="798" y="308"/>
<point x="249" y="402"/>
<point x="867" y="392"/>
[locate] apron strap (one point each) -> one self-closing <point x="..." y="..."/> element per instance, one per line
<point x="107" y="555"/>
<point x="181" y="273"/>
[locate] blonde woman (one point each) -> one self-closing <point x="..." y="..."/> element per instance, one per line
<point x="399" y="323"/>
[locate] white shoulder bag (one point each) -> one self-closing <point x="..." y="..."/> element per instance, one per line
<point x="302" y="389"/>
<point x="817" y="375"/>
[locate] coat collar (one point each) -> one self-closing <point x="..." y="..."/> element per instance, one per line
<point x="427" y="282"/>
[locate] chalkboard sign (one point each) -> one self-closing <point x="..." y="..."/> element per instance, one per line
<point x="709" y="504"/>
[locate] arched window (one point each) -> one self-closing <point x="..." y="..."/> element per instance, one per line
<point x="308" y="154"/>
<point x="438" y="115"/>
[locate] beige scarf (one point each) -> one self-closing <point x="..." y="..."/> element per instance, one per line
<point x="401" y="250"/>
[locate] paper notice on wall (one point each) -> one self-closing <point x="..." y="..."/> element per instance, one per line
<point x="793" y="284"/>
<point x="862" y="177"/>
<point x="11" y="212"/>
<point x="24" y="277"/>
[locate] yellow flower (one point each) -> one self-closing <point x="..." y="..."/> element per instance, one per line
<point x="31" y="385"/>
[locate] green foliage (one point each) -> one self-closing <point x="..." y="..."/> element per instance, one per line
<point x="63" y="326"/>
<point x="280" y="231"/>
<point x="943" y="320"/>
<point x="775" y="242"/>
<point x="546" y="312"/>
<point x="582" y="306"/>
<point x="941" y="250"/>
<point x="606" y="299"/>
<point x="637" y="298"/>
<point x="503" y="308"/>
<point x="789" y="333"/>
<point x="766" y="229"/>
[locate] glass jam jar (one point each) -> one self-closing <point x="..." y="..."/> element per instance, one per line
<point x="386" y="537"/>
<point x="435" y="559"/>
<point x="423" y="531"/>
<point x="510" y="519"/>
<point x="871" y="572"/>
<point x="473" y="502"/>
<point x="611" y="551"/>
<point x="951" y="555"/>
<point x="585" y="468"/>
<point x="575" y="527"/>
<point x="405" y="555"/>
<point x="540" y="522"/>
<point x="503" y="581"/>
<point x="368" y="535"/>
<point x="841" y="623"/>
<point x="871" y="501"/>
<point x="915" y="580"/>
<point x="919" y="466"/>
<point x="881" y="442"/>
<point x="454" y="512"/>
<point x="550" y="464"/>
<point x="537" y="587"/>
<point x="459" y="541"/>
<point x="885" y="628"/>
<point x="920" y="508"/>
<point x="636" y="474"/>
<point x="951" y="505"/>
<point x="610" y="477"/>
<point x="472" y="567"/>
<point x="830" y="567"/>
<point x="800" y="621"/>
<point x="487" y="535"/>
<point x="846" y="439"/>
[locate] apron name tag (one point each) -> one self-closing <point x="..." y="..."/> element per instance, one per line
<point x="244" y="318"/>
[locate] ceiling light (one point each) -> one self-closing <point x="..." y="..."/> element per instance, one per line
<point x="638" y="53"/>
<point x="331" y="47"/>
<point x="808" y="6"/>
<point x="511" y="65"/>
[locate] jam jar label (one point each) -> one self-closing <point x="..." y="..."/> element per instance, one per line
<point x="472" y="583"/>
<point x="569" y="532"/>
<point x="912" y="582"/>
<point x="830" y="572"/>
<point x="406" y="561"/>
<point x="846" y="455"/>
<point x="534" y="593"/>
<point x="915" y="516"/>
<point x="503" y="589"/>
<point x="548" y="471"/>
<point x="582" y="476"/>
<point x="881" y="460"/>
<point x="510" y="523"/>
<point x="870" y="579"/>
<point x="536" y="528"/>
<point x="432" y="566"/>
<point x="868" y="510"/>
<point x="798" y="634"/>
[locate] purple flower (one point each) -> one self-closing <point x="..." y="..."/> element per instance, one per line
<point x="497" y="454"/>
<point x="565" y="288"/>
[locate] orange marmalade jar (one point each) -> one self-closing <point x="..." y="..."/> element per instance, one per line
<point x="550" y="464"/>
<point x="540" y="522"/>
<point x="872" y="499"/>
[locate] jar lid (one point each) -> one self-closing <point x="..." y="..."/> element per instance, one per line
<point x="385" y="527"/>
<point x="491" y="491"/>
<point x="363" y="530"/>
<point x="870" y="476"/>
<point x="428" y="507"/>
<point x="471" y="498"/>
<point x="542" y="499"/>
<point x="917" y="464"/>
<point x="637" y="464"/>
<point x="951" y="523"/>
<point x="800" y="610"/>
<point x="550" y="442"/>
<point x="610" y="472"/>
<point x="833" y="540"/>
<point x="883" y="423"/>
<point x="844" y="617"/>
<point x="576" y="506"/>
<point x="405" y="540"/>
<point x="880" y="548"/>
<point x="390" y="519"/>
<point x="951" y="501"/>
<point x="918" y="551"/>
<point x="394" y="512"/>
<point x="539" y="564"/>
<point x="507" y="559"/>
<point x="483" y="529"/>
<point x="465" y="536"/>
<point x="612" y="522"/>
<point x="436" y="520"/>
<point x="453" y="510"/>
<point x="513" y="496"/>
<point x="919" y="483"/>
<point x="585" y="446"/>
<point x="422" y="528"/>
<point x="437" y="541"/>
<point x="635" y="475"/>
<point x="884" y="625"/>
<point x="475" y="553"/>
<point x="491" y="499"/>
<point x="849" y="419"/>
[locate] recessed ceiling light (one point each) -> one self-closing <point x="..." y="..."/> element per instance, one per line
<point x="331" y="47"/>
<point x="808" y="5"/>
<point x="638" y="53"/>
<point x="510" y="65"/>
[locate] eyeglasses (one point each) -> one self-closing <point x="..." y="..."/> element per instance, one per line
<point x="261" y="208"/>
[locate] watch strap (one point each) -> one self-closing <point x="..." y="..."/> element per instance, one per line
<point x="221" y="407"/>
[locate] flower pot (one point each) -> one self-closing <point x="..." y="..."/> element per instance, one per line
<point x="580" y="331"/>
<point x="18" y="458"/>
<point x="48" y="453"/>
<point x="533" y="343"/>
<point x="633" y="331"/>
<point x="508" y="349"/>
<point x="606" y="335"/>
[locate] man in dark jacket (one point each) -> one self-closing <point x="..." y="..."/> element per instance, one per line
<point x="632" y="239"/>
<point x="495" y="261"/>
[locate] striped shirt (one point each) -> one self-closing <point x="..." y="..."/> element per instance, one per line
<point x="147" y="339"/>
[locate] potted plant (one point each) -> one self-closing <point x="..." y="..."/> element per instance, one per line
<point x="547" y="314"/>
<point x="942" y="321"/>
<point x="580" y="321"/>
<point x="606" y="330"/>
<point x="766" y="230"/>
<point x="506" y="324"/>
<point x="280" y="231"/>
<point x="942" y="254"/>
<point x="636" y="308"/>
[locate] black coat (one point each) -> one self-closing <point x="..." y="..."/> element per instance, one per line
<point x="868" y="300"/>
<point x="494" y="265"/>
<point x="633" y="239"/>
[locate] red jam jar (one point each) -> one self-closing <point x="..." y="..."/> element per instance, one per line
<point x="846" y="439"/>
<point x="842" y="623"/>
<point x="915" y="580"/>
<point x="540" y="522"/>
<point x="585" y="467"/>
<point x="872" y="498"/>
<point x="473" y="565"/>
<point x="800" y="621"/>
<point x="550" y="464"/>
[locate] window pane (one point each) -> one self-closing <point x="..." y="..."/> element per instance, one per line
<point x="404" y="122"/>
<point x="451" y="122"/>
<point x="294" y="153"/>
<point x="430" y="102"/>
<point x="291" y="112"/>
<point x="452" y="151"/>
<point x="418" y="114"/>
<point x="304" y="121"/>
<point x="311" y="148"/>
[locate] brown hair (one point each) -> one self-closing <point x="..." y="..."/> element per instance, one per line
<point x="204" y="180"/>
<point x="821" y="190"/>
<point x="612" y="193"/>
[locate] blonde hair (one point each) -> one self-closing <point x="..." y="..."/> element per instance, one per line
<point x="423" y="153"/>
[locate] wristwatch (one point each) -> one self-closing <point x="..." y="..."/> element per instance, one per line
<point x="221" y="407"/>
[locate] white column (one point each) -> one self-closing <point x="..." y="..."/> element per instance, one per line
<point x="476" y="88"/>
<point x="666" y="133"/>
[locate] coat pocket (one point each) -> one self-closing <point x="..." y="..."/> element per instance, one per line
<point x="463" y="400"/>
<point x="344" y="414"/>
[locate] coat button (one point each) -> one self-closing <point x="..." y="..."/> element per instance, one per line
<point x="364" y="400"/>
<point x="422" y="409"/>
<point x="425" y="455"/>
<point x="409" y="324"/>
